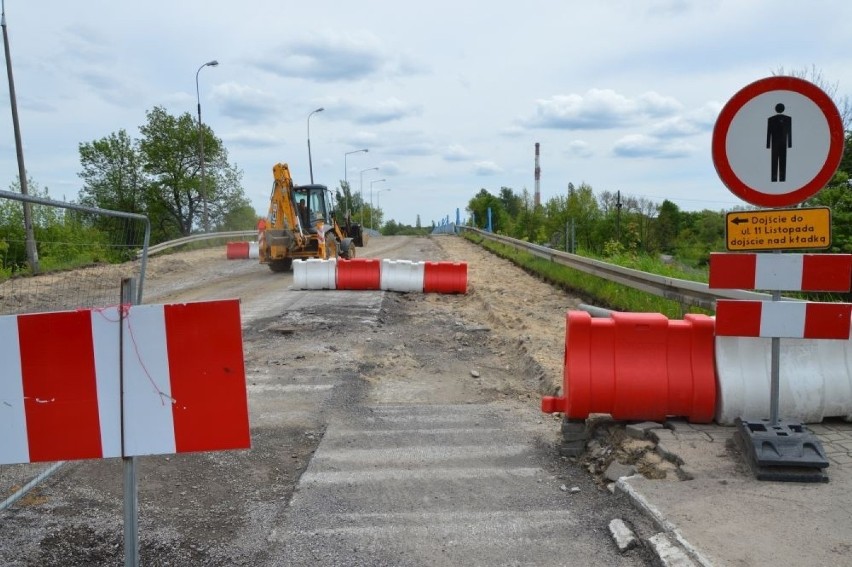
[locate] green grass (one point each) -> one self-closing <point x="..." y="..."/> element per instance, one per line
<point x="595" y="290"/>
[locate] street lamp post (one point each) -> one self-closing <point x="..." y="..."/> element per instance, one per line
<point x="201" y="145"/>
<point x="346" y="177"/>
<point x="310" y="164"/>
<point x="371" y="199"/>
<point x="29" y="232"/>
<point x="361" y="191"/>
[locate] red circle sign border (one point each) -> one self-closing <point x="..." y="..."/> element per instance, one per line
<point x="730" y="110"/>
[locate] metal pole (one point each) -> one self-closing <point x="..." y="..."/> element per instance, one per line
<point x="775" y="371"/>
<point x="371" y="200"/>
<point x="131" y="493"/>
<point x="32" y="250"/>
<point x="203" y="188"/>
<point x="346" y="178"/>
<point x="361" y="192"/>
<point x="310" y="163"/>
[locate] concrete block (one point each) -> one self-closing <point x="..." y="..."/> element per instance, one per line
<point x="668" y="553"/>
<point x="623" y="536"/>
<point x="616" y="470"/>
<point x="640" y="430"/>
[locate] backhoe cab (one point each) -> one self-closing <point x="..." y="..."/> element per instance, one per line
<point x="300" y="224"/>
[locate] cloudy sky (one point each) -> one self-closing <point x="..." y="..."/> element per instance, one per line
<point x="448" y="96"/>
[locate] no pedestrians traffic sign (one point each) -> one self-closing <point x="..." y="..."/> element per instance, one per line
<point x="778" y="141"/>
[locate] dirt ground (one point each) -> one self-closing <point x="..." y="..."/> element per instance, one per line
<point x="503" y="340"/>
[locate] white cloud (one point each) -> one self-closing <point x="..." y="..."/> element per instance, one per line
<point x="486" y="168"/>
<point x="642" y="146"/>
<point x="457" y="152"/>
<point x="600" y="109"/>
<point x="244" y="102"/>
<point x="251" y="138"/>
<point x="579" y="148"/>
<point x="387" y="110"/>
<point x="337" y="56"/>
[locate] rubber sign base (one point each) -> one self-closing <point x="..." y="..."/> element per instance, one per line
<point x="785" y="452"/>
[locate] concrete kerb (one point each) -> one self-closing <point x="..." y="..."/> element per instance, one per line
<point x="666" y="557"/>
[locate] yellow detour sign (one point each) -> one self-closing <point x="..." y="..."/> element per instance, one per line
<point x="779" y="229"/>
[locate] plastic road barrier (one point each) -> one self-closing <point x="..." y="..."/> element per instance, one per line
<point x="402" y="275"/>
<point x="815" y="379"/>
<point x="253" y="251"/>
<point x="445" y="277"/>
<point x="237" y="250"/>
<point x="314" y="273"/>
<point x="637" y="366"/>
<point x="359" y="273"/>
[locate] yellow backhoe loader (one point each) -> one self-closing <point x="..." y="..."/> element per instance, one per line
<point x="300" y="224"/>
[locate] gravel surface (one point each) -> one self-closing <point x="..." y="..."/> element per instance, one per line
<point x="310" y="358"/>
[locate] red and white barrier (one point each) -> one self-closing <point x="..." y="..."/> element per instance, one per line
<point x="390" y="275"/>
<point x="785" y="319"/>
<point x="402" y="275"/>
<point x="781" y="272"/>
<point x="183" y="373"/>
<point x="314" y="273"/>
<point x="637" y="366"/>
<point x="815" y="379"/>
<point x="237" y="250"/>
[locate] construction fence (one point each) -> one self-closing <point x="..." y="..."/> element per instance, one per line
<point x="82" y="256"/>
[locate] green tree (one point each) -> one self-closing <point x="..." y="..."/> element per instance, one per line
<point x="479" y="206"/>
<point x="169" y="147"/>
<point x="667" y="226"/>
<point x="112" y="178"/>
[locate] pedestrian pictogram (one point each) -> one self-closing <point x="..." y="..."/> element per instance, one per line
<point x="778" y="141"/>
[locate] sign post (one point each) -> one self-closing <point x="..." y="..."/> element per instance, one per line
<point x="776" y="143"/>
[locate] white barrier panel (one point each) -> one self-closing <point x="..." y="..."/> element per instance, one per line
<point x="254" y="251"/>
<point x="815" y="379"/>
<point x="314" y="273"/>
<point x="402" y="275"/>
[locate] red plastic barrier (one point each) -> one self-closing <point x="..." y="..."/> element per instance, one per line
<point x="237" y="250"/>
<point x="445" y="277"/>
<point x="359" y="273"/>
<point x="637" y="366"/>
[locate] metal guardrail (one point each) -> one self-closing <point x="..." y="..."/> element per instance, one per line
<point x="685" y="292"/>
<point x="163" y="246"/>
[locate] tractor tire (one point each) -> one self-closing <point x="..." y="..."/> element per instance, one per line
<point x="331" y="247"/>
<point x="284" y="265"/>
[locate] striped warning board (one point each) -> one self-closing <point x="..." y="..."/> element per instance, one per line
<point x="781" y="272"/>
<point x="183" y="374"/>
<point x="783" y="319"/>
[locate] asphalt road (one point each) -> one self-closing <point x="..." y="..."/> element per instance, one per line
<point x="387" y="429"/>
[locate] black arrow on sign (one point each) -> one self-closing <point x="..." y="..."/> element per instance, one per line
<point x="738" y="220"/>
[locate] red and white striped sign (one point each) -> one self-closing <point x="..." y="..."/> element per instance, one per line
<point x="783" y="319"/>
<point x="183" y="373"/>
<point x="781" y="272"/>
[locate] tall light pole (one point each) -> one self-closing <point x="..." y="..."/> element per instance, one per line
<point x="378" y="202"/>
<point x="371" y="200"/>
<point x="32" y="249"/>
<point x="201" y="145"/>
<point x="346" y="178"/>
<point x="361" y="191"/>
<point x="310" y="164"/>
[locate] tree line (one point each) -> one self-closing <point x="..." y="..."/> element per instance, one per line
<point x="156" y="174"/>
<point x="609" y="223"/>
